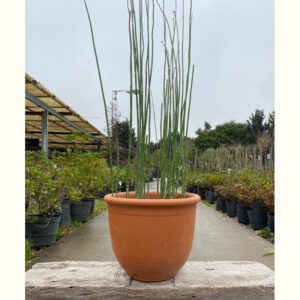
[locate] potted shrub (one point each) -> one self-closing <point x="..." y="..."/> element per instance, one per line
<point x="213" y="180"/>
<point x="209" y="195"/>
<point x="91" y="169"/>
<point x="152" y="231"/>
<point x="60" y="160"/>
<point x="247" y="179"/>
<point x="80" y="210"/>
<point x="43" y="195"/>
<point x="74" y="181"/>
<point x="221" y="200"/>
<point x="228" y="193"/>
<point x="243" y="204"/>
<point x="257" y="214"/>
<point x="231" y="201"/>
<point x="268" y="195"/>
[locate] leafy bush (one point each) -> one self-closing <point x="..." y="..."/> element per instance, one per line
<point x="83" y="174"/>
<point x="28" y="250"/>
<point x="248" y="186"/>
<point x="44" y="189"/>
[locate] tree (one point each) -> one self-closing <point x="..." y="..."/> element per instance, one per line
<point x="226" y="134"/>
<point x="270" y="124"/>
<point x="122" y="131"/>
<point x="255" y="126"/>
<point x="207" y="126"/>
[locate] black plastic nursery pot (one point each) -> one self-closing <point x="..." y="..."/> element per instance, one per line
<point x="101" y="194"/>
<point x="219" y="203"/>
<point x="80" y="211"/>
<point x="242" y="213"/>
<point x="201" y="193"/>
<point x="65" y="213"/>
<point x="215" y="196"/>
<point x="189" y="188"/>
<point x="258" y="218"/>
<point x="271" y="221"/>
<point x="209" y="197"/>
<point x="231" y="208"/>
<point x="42" y="231"/>
<point x="224" y="206"/>
<point x="92" y="200"/>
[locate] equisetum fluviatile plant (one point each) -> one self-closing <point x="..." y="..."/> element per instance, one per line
<point x="103" y="95"/>
<point x="178" y="76"/>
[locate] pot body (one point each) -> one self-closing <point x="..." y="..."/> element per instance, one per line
<point x="258" y="218"/>
<point x="65" y="213"/>
<point x="231" y="208"/>
<point x="271" y="221"/>
<point x="152" y="238"/>
<point x="209" y="197"/>
<point x="92" y="201"/>
<point x="219" y="203"/>
<point x="100" y="194"/>
<point x="42" y="231"/>
<point x="201" y="193"/>
<point x="80" y="211"/>
<point x="188" y="188"/>
<point x="242" y="213"/>
<point x="224" y="206"/>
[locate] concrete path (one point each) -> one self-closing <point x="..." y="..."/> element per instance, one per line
<point x="217" y="238"/>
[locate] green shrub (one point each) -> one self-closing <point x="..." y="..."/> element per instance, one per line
<point x="44" y="189"/>
<point x="28" y="250"/>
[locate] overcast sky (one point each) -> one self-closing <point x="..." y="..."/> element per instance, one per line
<point x="232" y="49"/>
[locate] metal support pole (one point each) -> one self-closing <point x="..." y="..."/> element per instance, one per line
<point x="45" y="132"/>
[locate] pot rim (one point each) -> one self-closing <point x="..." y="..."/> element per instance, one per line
<point x="190" y="198"/>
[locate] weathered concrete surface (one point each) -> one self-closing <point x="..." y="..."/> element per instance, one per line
<point x="107" y="280"/>
<point x="219" y="237"/>
<point x="90" y="242"/>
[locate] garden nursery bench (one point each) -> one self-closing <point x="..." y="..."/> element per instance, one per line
<point x="107" y="280"/>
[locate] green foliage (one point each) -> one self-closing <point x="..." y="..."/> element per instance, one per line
<point x="255" y="126"/>
<point x="226" y="134"/>
<point x="247" y="186"/>
<point x="77" y="137"/>
<point x="82" y="174"/>
<point x="270" y="124"/>
<point x="29" y="252"/>
<point x="60" y="232"/>
<point x="207" y="126"/>
<point x="232" y="133"/>
<point x="44" y="189"/>
<point x="267" y="234"/>
<point x="268" y="254"/>
<point x="100" y="205"/>
<point x="122" y="129"/>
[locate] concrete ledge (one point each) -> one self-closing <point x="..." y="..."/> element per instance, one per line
<point x="107" y="280"/>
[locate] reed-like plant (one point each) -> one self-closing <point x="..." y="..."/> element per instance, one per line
<point x="177" y="90"/>
<point x="178" y="76"/>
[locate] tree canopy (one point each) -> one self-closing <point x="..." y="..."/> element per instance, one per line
<point x="231" y="133"/>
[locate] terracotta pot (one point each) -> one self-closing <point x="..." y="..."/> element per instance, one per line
<point x="152" y="238"/>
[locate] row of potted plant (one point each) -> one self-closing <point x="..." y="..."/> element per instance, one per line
<point x="62" y="188"/>
<point x="246" y="194"/>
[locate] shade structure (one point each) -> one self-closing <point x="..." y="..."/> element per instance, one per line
<point x="62" y="120"/>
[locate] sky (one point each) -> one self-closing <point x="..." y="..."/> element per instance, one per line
<point x="232" y="50"/>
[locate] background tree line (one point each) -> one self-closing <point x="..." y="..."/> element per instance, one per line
<point x="257" y="130"/>
<point x="233" y="133"/>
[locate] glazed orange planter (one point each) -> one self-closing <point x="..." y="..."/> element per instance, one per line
<point x="152" y="238"/>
